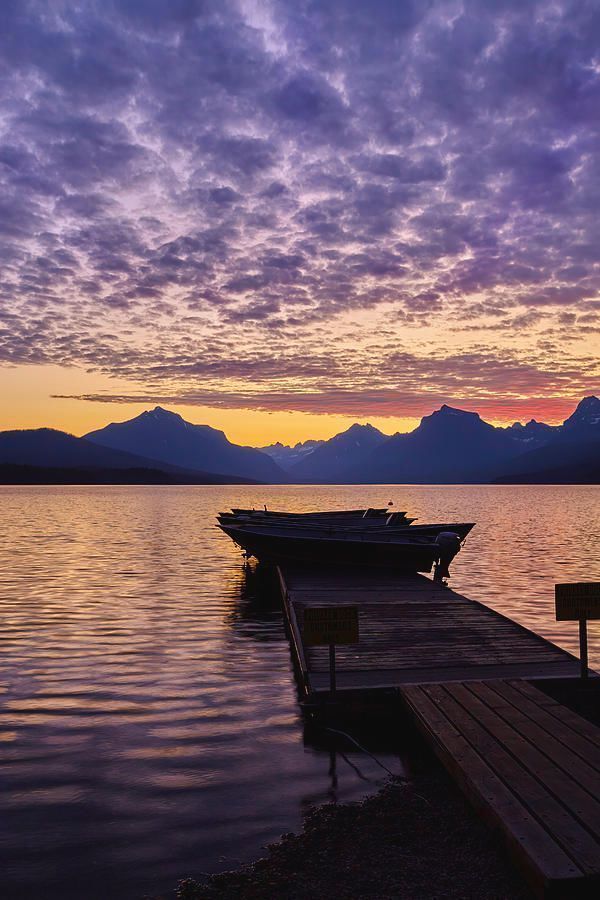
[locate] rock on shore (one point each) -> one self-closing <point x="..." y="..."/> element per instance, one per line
<point x="412" y="840"/>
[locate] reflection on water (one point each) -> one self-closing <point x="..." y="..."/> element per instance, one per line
<point x="149" y="720"/>
<point x="257" y="614"/>
<point x="149" y="726"/>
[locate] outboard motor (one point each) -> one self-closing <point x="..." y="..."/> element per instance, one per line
<point x="449" y="544"/>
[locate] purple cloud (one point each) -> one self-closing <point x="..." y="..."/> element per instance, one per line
<point x="174" y="173"/>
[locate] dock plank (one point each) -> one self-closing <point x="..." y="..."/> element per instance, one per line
<point x="412" y="629"/>
<point x="562" y="744"/>
<point x="564" y="715"/>
<point x="551" y="786"/>
<point x="562" y="791"/>
<point x="542" y="858"/>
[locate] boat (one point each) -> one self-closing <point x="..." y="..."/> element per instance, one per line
<point x="341" y="514"/>
<point x="274" y="546"/>
<point x="395" y="522"/>
<point x="408" y="548"/>
<point x="331" y="529"/>
<point x="324" y="520"/>
<point x="364" y="512"/>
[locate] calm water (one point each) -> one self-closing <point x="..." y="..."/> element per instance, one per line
<point x="149" y="726"/>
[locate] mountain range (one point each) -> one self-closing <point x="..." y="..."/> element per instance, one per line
<point x="167" y="437"/>
<point x="286" y="456"/>
<point x="45" y="455"/>
<point x="345" y="452"/>
<point x="449" y="446"/>
<point x="457" y="446"/>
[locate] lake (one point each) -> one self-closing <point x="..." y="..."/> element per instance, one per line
<point x="149" y="723"/>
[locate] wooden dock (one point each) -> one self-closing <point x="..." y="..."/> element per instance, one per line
<point x="412" y="631"/>
<point x="530" y="766"/>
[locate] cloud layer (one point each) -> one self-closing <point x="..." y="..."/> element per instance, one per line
<point x="259" y="203"/>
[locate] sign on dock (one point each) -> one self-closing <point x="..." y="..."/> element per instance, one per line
<point x="325" y="625"/>
<point x="330" y="625"/>
<point x="580" y="600"/>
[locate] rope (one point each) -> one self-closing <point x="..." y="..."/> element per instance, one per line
<point x="364" y="750"/>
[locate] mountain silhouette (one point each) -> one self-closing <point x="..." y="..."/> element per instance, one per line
<point x="165" y="436"/>
<point x="449" y="446"/>
<point x="574" y="463"/>
<point x="48" y="447"/>
<point x="346" y="450"/>
<point x="286" y="456"/>
<point x="571" y="454"/>
<point x="533" y="434"/>
<point x="29" y="455"/>
<point x="456" y="446"/>
<point x="584" y="423"/>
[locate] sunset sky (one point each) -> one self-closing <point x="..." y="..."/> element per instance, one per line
<point x="279" y="218"/>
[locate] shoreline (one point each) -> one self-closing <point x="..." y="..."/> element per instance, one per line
<point x="413" y="839"/>
<point x="416" y="839"/>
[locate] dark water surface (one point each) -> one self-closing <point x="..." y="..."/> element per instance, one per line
<point x="149" y="726"/>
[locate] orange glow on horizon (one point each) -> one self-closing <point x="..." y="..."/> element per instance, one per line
<point x="28" y="404"/>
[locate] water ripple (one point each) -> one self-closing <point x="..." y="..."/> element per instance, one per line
<point x="149" y="725"/>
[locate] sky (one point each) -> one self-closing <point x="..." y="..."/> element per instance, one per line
<point x="279" y="218"/>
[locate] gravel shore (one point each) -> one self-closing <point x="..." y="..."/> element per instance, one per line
<point x="416" y="839"/>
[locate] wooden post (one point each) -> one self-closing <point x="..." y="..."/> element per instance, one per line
<point x="578" y="602"/>
<point x="583" y="647"/>
<point x="326" y="626"/>
<point x="332" y="669"/>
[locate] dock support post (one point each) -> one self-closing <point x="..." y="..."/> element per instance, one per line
<point x="583" y="647"/>
<point x="332" y="685"/>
